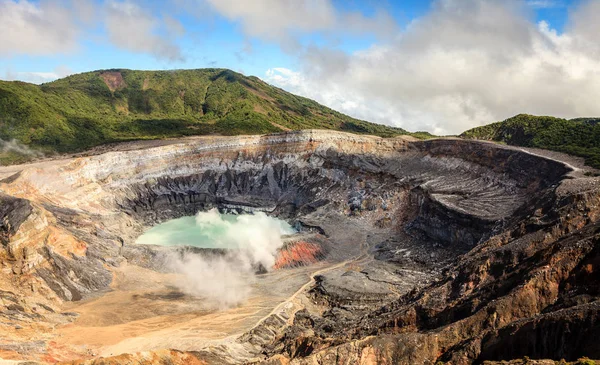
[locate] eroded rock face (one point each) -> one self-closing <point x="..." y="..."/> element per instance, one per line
<point x="13" y="212"/>
<point x="528" y="240"/>
<point x="519" y="293"/>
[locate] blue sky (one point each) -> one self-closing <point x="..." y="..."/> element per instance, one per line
<point x="372" y="59"/>
<point x="216" y="41"/>
<point x="209" y="41"/>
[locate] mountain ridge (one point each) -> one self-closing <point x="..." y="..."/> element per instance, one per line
<point x="88" y="109"/>
<point x="579" y="136"/>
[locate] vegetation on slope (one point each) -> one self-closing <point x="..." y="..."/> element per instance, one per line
<point x="88" y="109"/>
<point x="580" y="137"/>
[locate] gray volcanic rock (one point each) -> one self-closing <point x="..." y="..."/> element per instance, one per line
<point x="13" y="212"/>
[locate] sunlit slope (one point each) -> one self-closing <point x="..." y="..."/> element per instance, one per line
<point x="88" y="109"/>
<point x="580" y="137"/>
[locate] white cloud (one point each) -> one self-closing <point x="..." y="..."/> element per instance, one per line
<point x="273" y="18"/>
<point x="131" y="27"/>
<point x="584" y="27"/>
<point x="466" y="63"/>
<point x="174" y="26"/>
<point x="37" y="77"/>
<point x="37" y="28"/>
<point x="284" y="20"/>
<point x="51" y="27"/>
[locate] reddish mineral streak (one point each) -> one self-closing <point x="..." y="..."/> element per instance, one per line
<point x="297" y="254"/>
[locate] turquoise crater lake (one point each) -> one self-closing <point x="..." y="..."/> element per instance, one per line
<point x="215" y="230"/>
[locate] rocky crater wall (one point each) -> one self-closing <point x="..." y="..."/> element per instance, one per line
<point x="86" y="212"/>
<point x="457" y="190"/>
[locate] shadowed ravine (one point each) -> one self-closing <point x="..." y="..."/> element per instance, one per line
<point x="407" y="252"/>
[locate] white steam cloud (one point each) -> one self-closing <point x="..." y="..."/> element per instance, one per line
<point x="221" y="282"/>
<point x="225" y="281"/>
<point x="16" y="146"/>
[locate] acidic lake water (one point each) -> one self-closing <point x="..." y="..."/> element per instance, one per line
<point x="214" y="230"/>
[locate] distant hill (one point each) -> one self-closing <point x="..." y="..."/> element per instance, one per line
<point x="92" y="108"/>
<point x="580" y="137"/>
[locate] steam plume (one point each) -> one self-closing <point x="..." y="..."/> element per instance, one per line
<point x="225" y="281"/>
<point x="15" y="146"/>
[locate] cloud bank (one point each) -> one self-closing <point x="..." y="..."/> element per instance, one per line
<point x="131" y="27"/>
<point x="57" y="27"/>
<point x="465" y="63"/>
<point x="285" y="20"/>
<point x="43" y="28"/>
<point x="38" y="77"/>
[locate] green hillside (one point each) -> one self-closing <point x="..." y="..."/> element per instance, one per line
<point x="580" y="137"/>
<point x="88" y="109"/>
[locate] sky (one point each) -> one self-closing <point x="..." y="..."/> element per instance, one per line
<point x="441" y="66"/>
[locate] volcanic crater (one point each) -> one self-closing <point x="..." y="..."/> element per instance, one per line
<point x="407" y="252"/>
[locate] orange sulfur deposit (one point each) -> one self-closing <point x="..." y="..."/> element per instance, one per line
<point x="298" y="254"/>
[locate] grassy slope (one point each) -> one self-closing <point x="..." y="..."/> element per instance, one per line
<point x="82" y="111"/>
<point x="580" y="137"/>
